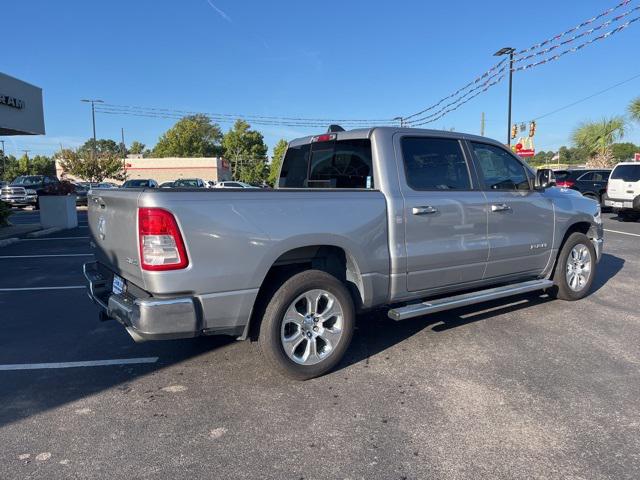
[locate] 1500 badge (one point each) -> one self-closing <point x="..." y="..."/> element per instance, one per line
<point x="535" y="246"/>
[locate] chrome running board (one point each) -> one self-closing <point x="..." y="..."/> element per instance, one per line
<point x="418" y="309"/>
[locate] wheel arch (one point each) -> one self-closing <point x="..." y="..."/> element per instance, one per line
<point x="332" y="258"/>
<point x="576" y="227"/>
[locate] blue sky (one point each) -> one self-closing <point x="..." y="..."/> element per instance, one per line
<point x="352" y="59"/>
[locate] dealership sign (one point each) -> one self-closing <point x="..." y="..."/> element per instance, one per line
<point x="11" y="102"/>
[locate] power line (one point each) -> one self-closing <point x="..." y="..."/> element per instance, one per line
<point x="586" y="98"/>
<point x="245" y="116"/>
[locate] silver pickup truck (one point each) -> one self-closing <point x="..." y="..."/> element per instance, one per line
<point x="416" y="221"/>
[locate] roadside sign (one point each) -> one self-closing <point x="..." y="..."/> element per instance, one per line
<point x="526" y="152"/>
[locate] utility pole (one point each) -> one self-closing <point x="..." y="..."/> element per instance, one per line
<point x="508" y="51"/>
<point x="4" y="157"/>
<point x="124" y="156"/>
<point x="93" y="101"/>
<point x="482" y="125"/>
<point x="400" y="119"/>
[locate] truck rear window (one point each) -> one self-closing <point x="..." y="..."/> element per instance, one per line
<point x="628" y="173"/>
<point x="335" y="164"/>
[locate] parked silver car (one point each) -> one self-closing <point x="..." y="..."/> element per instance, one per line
<point x="416" y="220"/>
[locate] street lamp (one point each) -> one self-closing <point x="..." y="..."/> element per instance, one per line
<point x="508" y="51"/>
<point x="93" y="101"/>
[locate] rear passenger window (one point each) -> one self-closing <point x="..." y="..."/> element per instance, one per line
<point x="587" y="177"/>
<point x="435" y="164"/>
<point x="334" y="164"/>
<point x="500" y="169"/>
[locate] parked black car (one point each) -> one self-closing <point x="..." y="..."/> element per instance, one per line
<point x="592" y="183"/>
<point x="25" y="190"/>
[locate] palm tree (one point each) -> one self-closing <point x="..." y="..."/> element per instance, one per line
<point x="596" y="138"/>
<point x="634" y="109"/>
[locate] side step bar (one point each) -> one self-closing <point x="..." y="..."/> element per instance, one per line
<point x="418" y="309"/>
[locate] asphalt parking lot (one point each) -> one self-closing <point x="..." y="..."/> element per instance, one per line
<point x="525" y="387"/>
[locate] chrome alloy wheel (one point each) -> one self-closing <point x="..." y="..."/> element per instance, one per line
<point x="578" y="267"/>
<point x="312" y="327"/>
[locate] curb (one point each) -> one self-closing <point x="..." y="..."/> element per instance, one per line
<point x="41" y="233"/>
<point x="8" y="241"/>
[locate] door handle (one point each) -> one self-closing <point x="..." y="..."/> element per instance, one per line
<point x="425" y="210"/>
<point x="500" y="207"/>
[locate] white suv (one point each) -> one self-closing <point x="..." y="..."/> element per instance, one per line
<point x="623" y="190"/>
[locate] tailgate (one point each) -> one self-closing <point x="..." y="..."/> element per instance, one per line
<point x="113" y="224"/>
<point x="620" y="190"/>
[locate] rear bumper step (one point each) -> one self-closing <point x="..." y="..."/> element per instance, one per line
<point x="424" y="308"/>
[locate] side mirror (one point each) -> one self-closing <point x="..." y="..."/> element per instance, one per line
<point x="545" y="178"/>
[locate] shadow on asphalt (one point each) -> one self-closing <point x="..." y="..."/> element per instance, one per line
<point x="27" y="393"/>
<point x="377" y="332"/>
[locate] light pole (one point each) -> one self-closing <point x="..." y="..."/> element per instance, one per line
<point x="93" y="101"/>
<point x="508" y="51"/>
<point x="4" y="164"/>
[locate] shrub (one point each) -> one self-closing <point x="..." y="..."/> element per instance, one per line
<point x="5" y="211"/>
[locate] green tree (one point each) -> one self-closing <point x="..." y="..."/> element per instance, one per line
<point x="596" y="139"/>
<point x="247" y="152"/>
<point x="624" y="151"/>
<point x="276" y="161"/>
<point x="102" y="146"/>
<point x="86" y="166"/>
<point x="137" y="148"/>
<point x="634" y="109"/>
<point x="191" y="136"/>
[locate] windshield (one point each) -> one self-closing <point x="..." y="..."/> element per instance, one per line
<point x="136" y="183"/>
<point x="28" y="180"/>
<point x="185" y="183"/>
<point x="628" y="173"/>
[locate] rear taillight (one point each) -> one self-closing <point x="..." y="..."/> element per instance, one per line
<point x="161" y="245"/>
<point x="565" y="183"/>
<point x="327" y="137"/>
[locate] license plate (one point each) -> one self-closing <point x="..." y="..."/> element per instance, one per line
<point x="118" y="285"/>
<point x="618" y="204"/>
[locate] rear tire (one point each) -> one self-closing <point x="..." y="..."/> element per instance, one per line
<point x="307" y="325"/>
<point x="575" y="268"/>
<point x="628" y="216"/>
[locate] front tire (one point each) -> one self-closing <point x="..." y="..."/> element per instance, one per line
<point x="575" y="269"/>
<point x="307" y="325"/>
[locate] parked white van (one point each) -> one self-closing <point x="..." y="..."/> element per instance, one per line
<point x="623" y="190"/>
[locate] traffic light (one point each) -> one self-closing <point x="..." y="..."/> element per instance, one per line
<point x="532" y="128"/>
<point x="514" y="131"/>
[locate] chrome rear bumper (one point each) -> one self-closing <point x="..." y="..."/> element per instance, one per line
<point x="144" y="318"/>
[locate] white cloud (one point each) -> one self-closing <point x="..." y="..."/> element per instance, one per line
<point x="220" y="12"/>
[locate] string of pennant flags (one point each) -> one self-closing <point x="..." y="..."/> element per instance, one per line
<point x="487" y="87"/>
<point x="486" y="75"/>
<point x="578" y="47"/>
<point x="573" y="29"/>
<point x="445" y="105"/>
<point x="576" y="37"/>
<point x="483" y="87"/>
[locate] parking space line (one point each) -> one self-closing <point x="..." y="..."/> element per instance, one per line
<point x="47" y="256"/>
<point x="92" y="363"/>
<point x="622" y="233"/>
<point x="53" y="238"/>
<point x="27" y="289"/>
